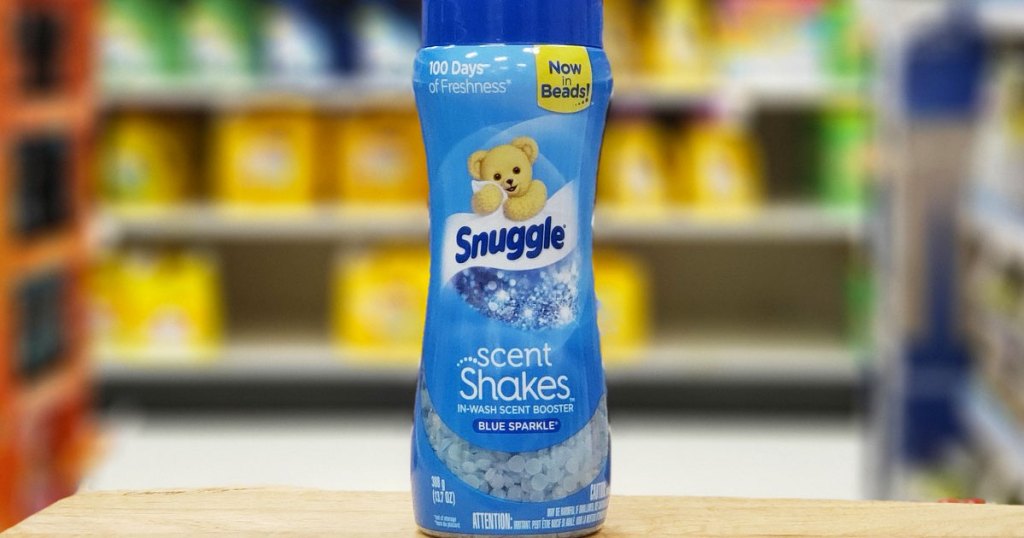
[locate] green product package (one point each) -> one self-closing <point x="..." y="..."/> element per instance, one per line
<point x="845" y="145"/>
<point x="223" y="39"/>
<point x="140" y="40"/>
<point x="860" y="303"/>
<point x="845" y="46"/>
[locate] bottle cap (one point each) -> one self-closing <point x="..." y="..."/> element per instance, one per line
<point x="944" y="67"/>
<point x="481" y="22"/>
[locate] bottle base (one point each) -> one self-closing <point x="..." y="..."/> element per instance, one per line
<point x="580" y="533"/>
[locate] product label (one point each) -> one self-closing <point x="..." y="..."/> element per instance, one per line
<point x="493" y="241"/>
<point x="511" y="433"/>
<point x="564" y="78"/>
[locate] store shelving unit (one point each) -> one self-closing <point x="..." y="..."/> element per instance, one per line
<point x="813" y="370"/>
<point x="950" y="419"/>
<point x="791" y="256"/>
<point x="991" y="405"/>
<point x="44" y="426"/>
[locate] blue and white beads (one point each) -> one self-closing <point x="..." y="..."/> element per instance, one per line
<point x="548" y="474"/>
<point x="530" y="300"/>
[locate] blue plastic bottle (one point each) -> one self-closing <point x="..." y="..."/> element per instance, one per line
<point x="511" y="428"/>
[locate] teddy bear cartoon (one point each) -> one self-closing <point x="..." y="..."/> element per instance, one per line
<point x="507" y="171"/>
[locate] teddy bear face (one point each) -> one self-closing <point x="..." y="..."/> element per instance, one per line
<point x="509" y="166"/>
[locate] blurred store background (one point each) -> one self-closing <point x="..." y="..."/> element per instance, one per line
<point x="810" y="237"/>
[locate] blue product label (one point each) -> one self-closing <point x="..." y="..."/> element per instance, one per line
<point x="511" y="429"/>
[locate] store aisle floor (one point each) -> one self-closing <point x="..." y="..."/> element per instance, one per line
<point x="665" y="456"/>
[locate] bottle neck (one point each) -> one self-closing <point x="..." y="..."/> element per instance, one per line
<point x="482" y="22"/>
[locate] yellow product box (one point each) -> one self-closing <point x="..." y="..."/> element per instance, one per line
<point x="623" y="317"/>
<point x="169" y="306"/>
<point x="720" y="170"/>
<point x="381" y="159"/>
<point x="380" y="303"/>
<point x="677" y="42"/>
<point x="633" y="167"/>
<point x="147" y="159"/>
<point x="265" y="158"/>
<point x="102" y="285"/>
<point x="620" y="38"/>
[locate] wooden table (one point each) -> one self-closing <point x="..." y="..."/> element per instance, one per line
<point x="249" y="512"/>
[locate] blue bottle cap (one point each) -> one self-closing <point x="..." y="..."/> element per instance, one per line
<point x="944" y="67"/>
<point x="480" y="22"/>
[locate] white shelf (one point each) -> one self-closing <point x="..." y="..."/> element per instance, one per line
<point x="248" y="362"/>
<point x="667" y="362"/>
<point x="339" y="94"/>
<point x="741" y="360"/>
<point x="210" y="222"/>
<point x="793" y="222"/>
<point x="357" y="93"/>
<point x="794" y="90"/>
<point x="739" y="93"/>
<point x="199" y="222"/>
